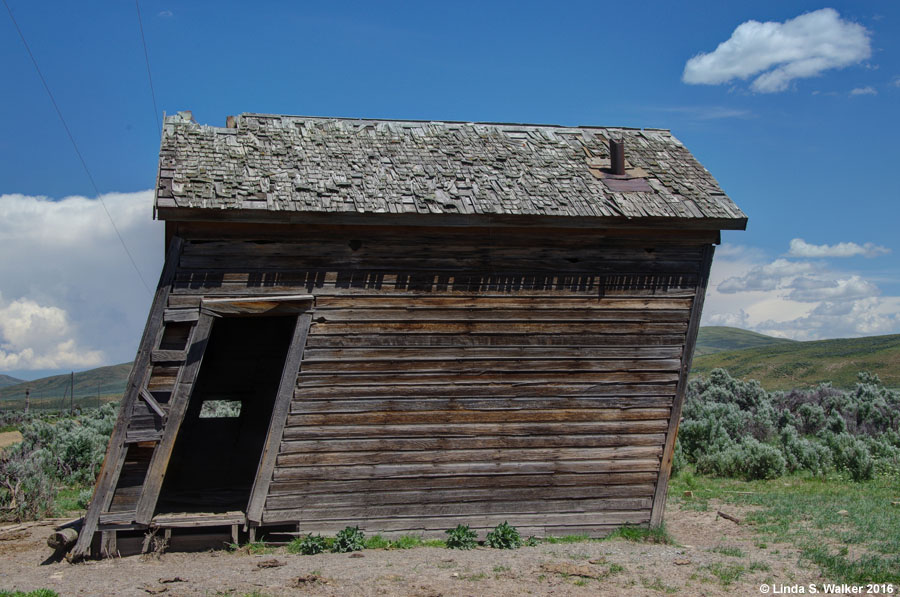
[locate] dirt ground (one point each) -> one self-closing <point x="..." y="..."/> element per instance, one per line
<point x="699" y="565"/>
<point x="8" y="438"/>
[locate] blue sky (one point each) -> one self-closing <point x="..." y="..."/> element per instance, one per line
<point x="792" y="107"/>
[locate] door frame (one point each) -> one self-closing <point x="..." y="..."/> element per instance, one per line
<point x="210" y="310"/>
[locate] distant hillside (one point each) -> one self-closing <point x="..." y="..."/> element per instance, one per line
<point x="717" y="338"/>
<point x="789" y="365"/>
<point x="47" y="392"/>
<point x="7" y="380"/>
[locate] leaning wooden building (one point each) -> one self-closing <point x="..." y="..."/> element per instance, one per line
<point x="423" y="324"/>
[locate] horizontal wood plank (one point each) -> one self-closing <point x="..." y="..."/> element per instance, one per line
<point x="479" y="442"/>
<point x="303" y="405"/>
<point x="443" y="353"/>
<point x="456" y="469"/>
<point x="539" y="482"/>
<point x="376" y="525"/>
<point x="505" y="340"/>
<point x="450" y="417"/>
<point x="281" y="499"/>
<point x="297" y="430"/>
<point x="500" y="508"/>
<point x="317" y="459"/>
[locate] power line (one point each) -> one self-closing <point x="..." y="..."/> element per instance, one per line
<point x="75" y="146"/>
<point x="147" y="60"/>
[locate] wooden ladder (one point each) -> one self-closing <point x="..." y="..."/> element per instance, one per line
<point x="150" y="415"/>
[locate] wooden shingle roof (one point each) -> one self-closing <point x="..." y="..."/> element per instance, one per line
<point x="266" y="165"/>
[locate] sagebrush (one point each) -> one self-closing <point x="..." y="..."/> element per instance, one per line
<point x="735" y="428"/>
<point x="57" y="450"/>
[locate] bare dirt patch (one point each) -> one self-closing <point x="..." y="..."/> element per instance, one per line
<point x="713" y="557"/>
<point x="8" y="438"/>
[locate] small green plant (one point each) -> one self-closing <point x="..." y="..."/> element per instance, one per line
<point x="377" y="542"/>
<point x="532" y="541"/>
<point x="257" y="548"/>
<point x="727" y="550"/>
<point x="349" y="539"/>
<point x="658" y="585"/>
<point x="504" y="536"/>
<point x="726" y="573"/>
<point x="566" y="539"/>
<point x="642" y="535"/>
<point x="407" y="542"/>
<point x="615" y="569"/>
<point x="308" y="545"/>
<point x="434" y="543"/>
<point x="35" y="593"/>
<point x="462" y="537"/>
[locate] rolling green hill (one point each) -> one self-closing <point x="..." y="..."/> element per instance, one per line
<point x="7" y="380"/>
<point x="717" y="338"/>
<point x="789" y="365"/>
<point x="107" y="383"/>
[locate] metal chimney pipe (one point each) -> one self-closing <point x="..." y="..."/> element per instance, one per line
<point x="617" y="156"/>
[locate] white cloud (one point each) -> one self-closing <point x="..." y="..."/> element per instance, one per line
<point x="709" y="112"/>
<point x="810" y="289"/>
<point x="735" y="320"/>
<point x="165" y="14"/>
<point x="795" y="299"/>
<point x="896" y="82"/>
<point x="765" y="277"/>
<point x="34" y="336"/>
<point x="72" y="298"/>
<point x="867" y="90"/>
<point x="777" y="53"/>
<point x="864" y="317"/>
<point x="801" y="248"/>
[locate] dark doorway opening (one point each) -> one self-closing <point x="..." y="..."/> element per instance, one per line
<point x="218" y="448"/>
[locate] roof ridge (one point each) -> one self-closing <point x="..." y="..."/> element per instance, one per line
<point x="177" y="118"/>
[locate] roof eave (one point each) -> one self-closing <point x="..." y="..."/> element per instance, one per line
<point x="263" y="216"/>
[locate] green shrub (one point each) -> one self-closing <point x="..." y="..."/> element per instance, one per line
<point x="812" y="417"/>
<point x="308" y="545"/>
<point x="761" y="461"/>
<point x="749" y="459"/>
<point x="504" y="536"/>
<point x="734" y="428"/>
<point x="349" y="539"/>
<point x="721" y="462"/>
<point x="57" y="449"/>
<point x="462" y="537"/>
<point x="678" y="459"/>
<point x="27" y="492"/>
<point x="84" y="498"/>
<point x="859" y="463"/>
<point x="803" y="454"/>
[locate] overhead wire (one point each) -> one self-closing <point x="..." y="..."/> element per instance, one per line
<point x="75" y="146"/>
<point x="137" y="7"/>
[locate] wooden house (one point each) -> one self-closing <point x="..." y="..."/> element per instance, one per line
<point x="422" y="324"/>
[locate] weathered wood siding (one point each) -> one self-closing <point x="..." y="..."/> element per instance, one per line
<point x="467" y="376"/>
